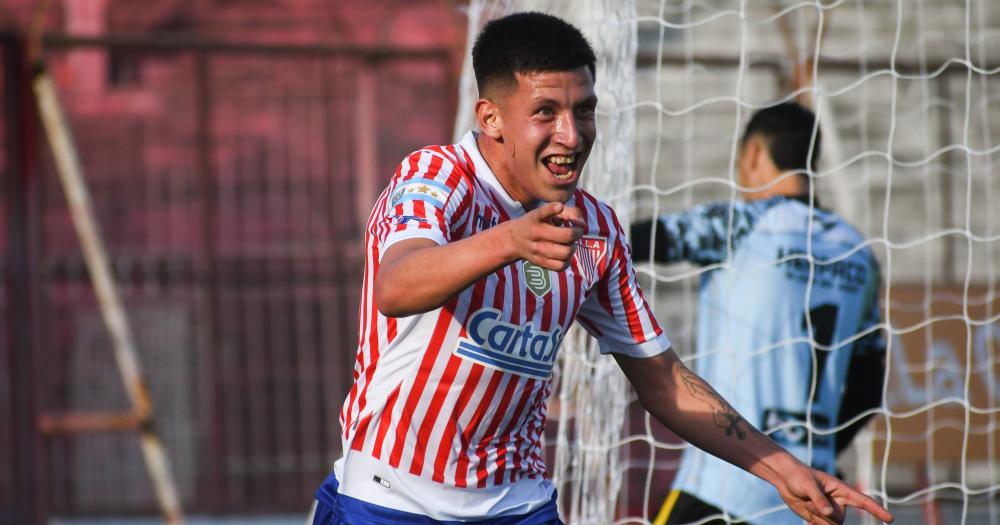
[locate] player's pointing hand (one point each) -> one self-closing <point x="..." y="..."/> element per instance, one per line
<point x="547" y="235"/>
<point x="822" y="499"/>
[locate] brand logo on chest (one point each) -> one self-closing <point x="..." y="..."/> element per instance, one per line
<point x="518" y="349"/>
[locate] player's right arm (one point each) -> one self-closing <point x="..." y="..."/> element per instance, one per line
<point x="418" y="275"/>
<point x="425" y="258"/>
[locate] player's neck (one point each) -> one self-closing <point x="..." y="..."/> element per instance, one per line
<point x="786" y="185"/>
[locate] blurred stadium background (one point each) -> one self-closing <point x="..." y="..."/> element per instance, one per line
<point x="233" y="148"/>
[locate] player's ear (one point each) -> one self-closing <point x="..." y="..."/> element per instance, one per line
<point x="755" y="151"/>
<point x="752" y="152"/>
<point x="488" y="118"/>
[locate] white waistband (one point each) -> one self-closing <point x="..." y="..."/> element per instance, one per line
<point x="368" y="479"/>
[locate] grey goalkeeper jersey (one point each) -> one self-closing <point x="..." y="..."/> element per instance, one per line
<point x="758" y="311"/>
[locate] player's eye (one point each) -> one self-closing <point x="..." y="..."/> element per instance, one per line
<point x="545" y="111"/>
<point x="585" y="112"/>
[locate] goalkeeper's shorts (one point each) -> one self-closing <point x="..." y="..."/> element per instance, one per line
<point x="682" y="508"/>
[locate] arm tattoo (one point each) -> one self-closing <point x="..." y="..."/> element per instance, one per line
<point x="724" y="415"/>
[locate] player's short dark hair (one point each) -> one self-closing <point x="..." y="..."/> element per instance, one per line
<point x="788" y="129"/>
<point x="527" y="43"/>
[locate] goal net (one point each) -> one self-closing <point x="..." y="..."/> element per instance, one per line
<point x="908" y="96"/>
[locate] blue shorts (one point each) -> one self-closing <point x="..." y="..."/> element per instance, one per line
<point x="337" y="509"/>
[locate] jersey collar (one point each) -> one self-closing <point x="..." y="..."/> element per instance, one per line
<point x="804" y="199"/>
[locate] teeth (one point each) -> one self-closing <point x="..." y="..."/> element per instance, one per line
<point x="562" y="159"/>
<point x="567" y="176"/>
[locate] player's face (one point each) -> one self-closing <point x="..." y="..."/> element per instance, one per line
<point x="548" y="129"/>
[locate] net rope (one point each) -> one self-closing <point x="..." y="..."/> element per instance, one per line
<point x="909" y="100"/>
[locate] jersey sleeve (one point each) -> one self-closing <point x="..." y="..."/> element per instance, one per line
<point x="700" y="235"/>
<point x="427" y="196"/>
<point x="873" y="342"/>
<point x="865" y="371"/>
<point x="616" y="312"/>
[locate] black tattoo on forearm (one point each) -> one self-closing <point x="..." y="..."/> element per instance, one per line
<point x="724" y="415"/>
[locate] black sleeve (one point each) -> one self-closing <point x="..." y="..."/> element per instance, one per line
<point x="866" y="370"/>
<point x="862" y="392"/>
<point x="641" y="234"/>
<point x="701" y="235"/>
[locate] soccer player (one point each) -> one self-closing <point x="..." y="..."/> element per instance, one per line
<point x="480" y="255"/>
<point x="760" y="305"/>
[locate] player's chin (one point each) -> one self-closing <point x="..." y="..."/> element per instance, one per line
<point x="559" y="194"/>
<point x="560" y="187"/>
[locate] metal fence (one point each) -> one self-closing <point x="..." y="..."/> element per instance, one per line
<point x="231" y="183"/>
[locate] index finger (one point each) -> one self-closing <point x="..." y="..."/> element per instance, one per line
<point x="820" y="501"/>
<point x="549" y="210"/>
<point x="869" y="505"/>
<point x="559" y="234"/>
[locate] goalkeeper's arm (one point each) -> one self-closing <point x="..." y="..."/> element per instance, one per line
<point x="862" y="392"/>
<point x="701" y="235"/>
<point x="865" y="372"/>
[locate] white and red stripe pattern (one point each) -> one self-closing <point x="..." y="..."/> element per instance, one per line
<point x="458" y="395"/>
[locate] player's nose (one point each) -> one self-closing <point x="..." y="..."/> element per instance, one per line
<point x="567" y="131"/>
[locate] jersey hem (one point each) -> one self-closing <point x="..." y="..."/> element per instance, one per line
<point x="651" y="348"/>
<point x="406" y="235"/>
<point x="370" y="480"/>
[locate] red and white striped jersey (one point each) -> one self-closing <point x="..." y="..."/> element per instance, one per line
<point x="448" y="406"/>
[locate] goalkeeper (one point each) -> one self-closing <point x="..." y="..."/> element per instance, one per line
<point x="759" y="302"/>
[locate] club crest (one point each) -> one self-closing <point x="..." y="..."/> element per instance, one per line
<point x="590" y="255"/>
<point x="537" y="278"/>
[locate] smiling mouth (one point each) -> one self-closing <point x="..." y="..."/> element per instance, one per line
<point x="563" y="167"/>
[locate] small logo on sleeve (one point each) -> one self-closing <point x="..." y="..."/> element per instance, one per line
<point x="427" y="190"/>
<point x="406" y="219"/>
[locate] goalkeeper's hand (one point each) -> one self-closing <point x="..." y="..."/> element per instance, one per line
<point x="822" y="499"/>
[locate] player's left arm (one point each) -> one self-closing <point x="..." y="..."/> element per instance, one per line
<point x="621" y="320"/>
<point x="682" y="401"/>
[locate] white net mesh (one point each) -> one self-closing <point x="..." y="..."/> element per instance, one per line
<point x="908" y="94"/>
